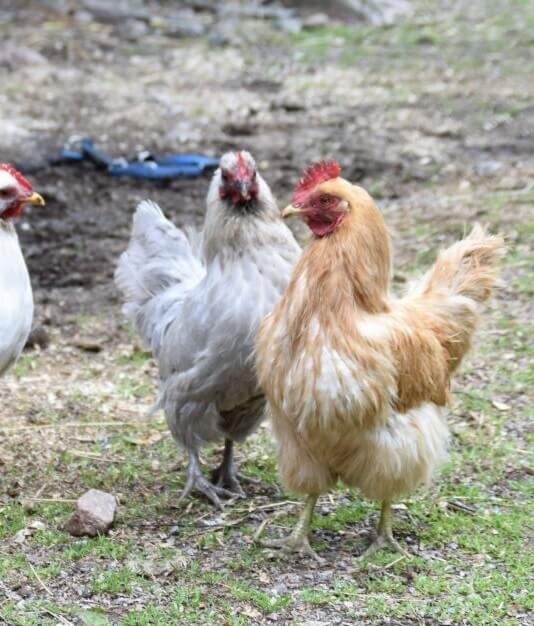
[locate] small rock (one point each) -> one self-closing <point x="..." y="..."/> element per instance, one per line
<point x="13" y="57"/>
<point x="316" y="20"/>
<point x="488" y="168"/>
<point x="83" y="17"/>
<point x="25" y="591"/>
<point x="511" y="182"/>
<point x="182" y="27"/>
<point x="464" y="185"/>
<point x="290" y="25"/>
<point x="85" y="592"/>
<point x="87" y="345"/>
<point x="94" y="515"/>
<point x="116" y="12"/>
<point x="379" y="12"/>
<point x="132" y="29"/>
<point x="225" y="32"/>
<point x="289" y="104"/>
<point x="21" y="535"/>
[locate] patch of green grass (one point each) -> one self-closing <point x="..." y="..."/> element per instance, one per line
<point x="260" y="461"/>
<point x="319" y="597"/>
<point x="101" y="546"/>
<point x="340" y="591"/>
<point x="344" y="515"/>
<point x="251" y="557"/>
<point x="12" y="519"/>
<point x="32" y="613"/>
<point x="265" y="602"/>
<point x="347" y="44"/>
<point x="440" y="593"/>
<point x="93" y="617"/>
<point x="49" y="571"/>
<point x="525" y="285"/>
<point x="25" y="364"/>
<point x="149" y="616"/>
<point x="137" y="358"/>
<point x="133" y="389"/>
<point x="376" y="188"/>
<point x="115" y="582"/>
<point x="189" y="604"/>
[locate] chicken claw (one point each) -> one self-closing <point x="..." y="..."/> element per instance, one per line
<point x="384" y="536"/>
<point x="195" y="480"/>
<point x="298" y="541"/>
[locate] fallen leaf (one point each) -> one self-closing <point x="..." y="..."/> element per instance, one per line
<point x="500" y="406"/>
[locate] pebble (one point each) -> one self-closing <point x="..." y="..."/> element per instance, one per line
<point x="94" y="515"/>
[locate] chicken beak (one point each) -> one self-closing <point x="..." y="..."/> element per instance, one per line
<point x="35" y="199"/>
<point x="244" y="191"/>
<point x="291" y="210"/>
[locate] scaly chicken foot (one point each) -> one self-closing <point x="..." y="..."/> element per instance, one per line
<point x="298" y="541"/>
<point x="225" y="475"/>
<point x="384" y="537"/>
<point x="195" y="480"/>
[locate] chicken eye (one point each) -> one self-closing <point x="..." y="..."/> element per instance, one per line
<point x="5" y="193"/>
<point x="324" y="200"/>
<point x="225" y="177"/>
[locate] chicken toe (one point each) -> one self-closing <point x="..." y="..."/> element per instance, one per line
<point x="298" y="541"/>
<point x="384" y="537"/>
<point x="196" y="481"/>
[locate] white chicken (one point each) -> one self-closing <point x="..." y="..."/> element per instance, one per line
<point x="16" y="299"/>
<point x="198" y="299"/>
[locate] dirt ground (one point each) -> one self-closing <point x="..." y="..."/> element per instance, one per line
<point x="434" y="115"/>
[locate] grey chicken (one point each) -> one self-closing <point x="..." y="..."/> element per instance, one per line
<point x="197" y="299"/>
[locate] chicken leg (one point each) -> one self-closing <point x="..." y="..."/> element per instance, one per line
<point x="225" y="475"/>
<point x="195" y="480"/>
<point x="298" y="541"/>
<point x="384" y="535"/>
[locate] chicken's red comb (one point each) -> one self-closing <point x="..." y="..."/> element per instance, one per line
<point x="16" y="175"/>
<point x="243" y="170"/>
<point x="315" y="174"/>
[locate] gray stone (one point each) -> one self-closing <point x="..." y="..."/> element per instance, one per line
<point x="132" y="29"/>
<point x="94" y="515"/>
<point x="115" y="12"/>
<point x="379" y="12"/>
<point x="179" y="26"/>
<point x="488" y="168"/>
<point x="316" y="20"/>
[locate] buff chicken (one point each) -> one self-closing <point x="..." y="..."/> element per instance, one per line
<point x="357" y="381"/>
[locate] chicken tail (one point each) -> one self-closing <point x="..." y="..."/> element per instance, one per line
<point x="160" y="265"/>
<point x="463" y="276"/>
<point x="468" y="268"/>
